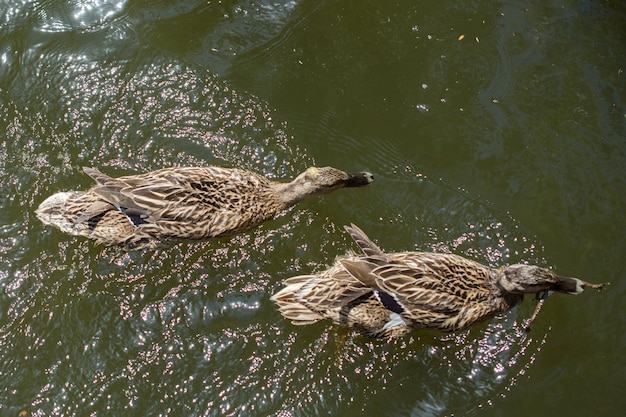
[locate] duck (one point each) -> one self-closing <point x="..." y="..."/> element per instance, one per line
<point x="388" y="295"/>
<point x="144" y="210"/>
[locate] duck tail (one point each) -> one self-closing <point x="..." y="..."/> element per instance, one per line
<point x="70" y="211"/>
<point x="54" y="211"/>
<point x="289" y="304"/>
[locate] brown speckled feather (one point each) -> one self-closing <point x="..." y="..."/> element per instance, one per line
<point x="387" y="295"/>
<point x="184" y="203"/>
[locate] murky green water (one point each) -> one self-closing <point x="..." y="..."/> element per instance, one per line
<point x="495" y="130"/>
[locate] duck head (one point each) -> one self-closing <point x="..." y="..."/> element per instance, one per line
<point x="319" y="181"/>
<point x="329" y="178"/>
<point x="528" y="279"/>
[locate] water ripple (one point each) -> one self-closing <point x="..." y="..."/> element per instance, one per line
<point x="191" y="330"/>
<point x="78" y="15"/>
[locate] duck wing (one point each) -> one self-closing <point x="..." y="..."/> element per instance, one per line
<point x="99" y="177"/>
<point x="94" y="209"/>
<point x="309" y="298"/>
<point x="368" y="247"/>
<point x="122" y="192"/>
<point x="337" y="287"/>
<point x="173" y="194"/>
<point x="417" y="283"/>
<point x="333" y="289"/>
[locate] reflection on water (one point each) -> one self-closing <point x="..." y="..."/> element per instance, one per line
<point x="190" y="330"/>
<point x="80" y="15"/>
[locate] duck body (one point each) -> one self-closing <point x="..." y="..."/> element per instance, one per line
<point x="390" y="295"/>
<point x="183" y="203"/>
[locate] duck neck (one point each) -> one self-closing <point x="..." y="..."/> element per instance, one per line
<point x="497" y="275"/>
<point x="290" y="193"/>
<point x="498" y="280"/>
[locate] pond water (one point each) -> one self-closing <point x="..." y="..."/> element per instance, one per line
<point x="495" y="130"/>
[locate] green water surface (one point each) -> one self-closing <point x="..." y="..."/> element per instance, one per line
<point x="495" y="130"/>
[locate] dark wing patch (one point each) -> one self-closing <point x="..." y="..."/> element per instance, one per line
<point x="136" y="217"/>
<point x="389" y="302"/>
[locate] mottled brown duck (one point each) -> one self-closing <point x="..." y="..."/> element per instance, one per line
<point x="139" y="211"/>
<point x="388" y="295"/>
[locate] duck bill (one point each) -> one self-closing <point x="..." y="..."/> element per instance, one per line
<point x="568" y="285"/>
<point x="359" y="179"/>
<point x="573" y="285"/>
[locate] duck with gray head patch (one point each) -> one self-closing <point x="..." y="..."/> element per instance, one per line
<point x="390" y="294"/>
<point x="138" y="211"/>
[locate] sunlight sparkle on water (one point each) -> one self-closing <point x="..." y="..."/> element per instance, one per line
<point x="97" y="12"/>
<point x="80" y="15"/>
